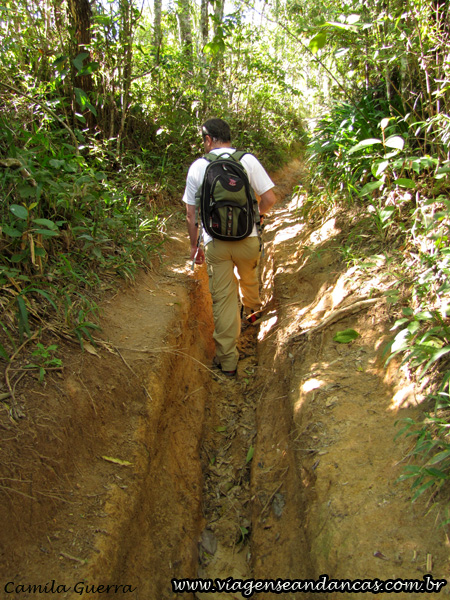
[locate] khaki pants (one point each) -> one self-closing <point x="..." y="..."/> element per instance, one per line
<point x="221" y="258"/>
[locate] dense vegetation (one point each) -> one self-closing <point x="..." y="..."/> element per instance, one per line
<point x="100" y="109"/>
<point x="384" y="146"/>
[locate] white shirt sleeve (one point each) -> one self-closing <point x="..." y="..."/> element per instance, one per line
<point x="194" y="180"/>
<point x="257" y="175"/>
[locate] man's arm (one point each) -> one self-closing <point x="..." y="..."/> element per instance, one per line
<point x="268" y="199"/>
<point x="193" y="234"/>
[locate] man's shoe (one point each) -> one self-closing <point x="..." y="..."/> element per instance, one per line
<point x="229" y="373"/>
<point x="254" y="317"/>
<point x="217" y="365"/>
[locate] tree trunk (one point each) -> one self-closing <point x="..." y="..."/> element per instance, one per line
<point x="184" y="21"/>
<point x="126" y="39"/>
<point x="204" y="21"/>
<point x="80" y="14"/>
<point x="157" y="34"/>
<point x="218" y="14"/>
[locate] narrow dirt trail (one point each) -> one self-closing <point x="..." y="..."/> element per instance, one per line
<point x="143" y="465"/>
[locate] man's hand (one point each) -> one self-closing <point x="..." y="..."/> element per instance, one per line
<point x="197" y="255"/>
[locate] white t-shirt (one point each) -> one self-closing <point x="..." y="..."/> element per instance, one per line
<point x="257" y="175"/>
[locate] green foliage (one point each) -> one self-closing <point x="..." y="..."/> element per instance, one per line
<point x="422" y="339"/>
<point x="385" y="147"/>
<point x="67" y="227"/>
<point x="345" y="146"/>
<point x="346" y="336"/>
<point x="431" y="450"/>
<point x="98" y="124"/>
<point x="44" y="358"/>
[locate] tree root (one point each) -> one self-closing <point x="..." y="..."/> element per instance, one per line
<point x="335" y="316"/>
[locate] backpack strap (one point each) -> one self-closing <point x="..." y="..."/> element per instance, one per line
<point x="236" y="155"/>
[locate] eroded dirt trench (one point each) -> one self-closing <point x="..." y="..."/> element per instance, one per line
<point x="157" y="468"/>
<point x="201" y="508"/>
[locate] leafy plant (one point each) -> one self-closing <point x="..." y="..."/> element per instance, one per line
<point x="66" y="227"/>
<point x="44" y="359"/>
<point x="337" y="140"/>
<point x="423" y="340"/>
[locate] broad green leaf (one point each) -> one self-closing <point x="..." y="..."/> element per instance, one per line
<point x="89" y="69"/>
<point x="399" y="322"/>
<point x="78" y="60"/>
<point x="337" y="25"/>
<point x="318" y="42"/>
<point x="60" y="62"/>
<point x="437" y="473"/>
<point x="422" y="489"/>
<point x="442" y="172"/>
<point x="11" y="231"/>
<point x="46" y="223"/>
<point x="346" y="336"/>
<point x="409" y="474"/>
<point x="250" y="453"/>
<point x="46" y="232"/>
<point x="27" y="191"/>
<point x="102" y="19"/>
<point x="57" y="164"/>
<point x="83" y="101"/>
<point x="436" y="356"/>
<point x="406" y="183"/>
<point x="379" y="167"/>
<point x="413" y="327"/>
<point x="395" y="141"/>
<point x="16" y="258"/>
<point x="214" y="47"/>
<point x="424" y="315"/>
<point x="370" y="187"/>
<point x="386" y="213"/>
<point x="364" y="144"/>
<point x="19" y="211"/>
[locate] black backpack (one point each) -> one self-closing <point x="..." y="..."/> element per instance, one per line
<point x="227" y="203"/>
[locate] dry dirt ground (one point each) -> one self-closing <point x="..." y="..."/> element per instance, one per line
<point x="139" y="464"/>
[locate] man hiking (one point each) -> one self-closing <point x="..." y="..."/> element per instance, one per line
<point x="230" y="236"/>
